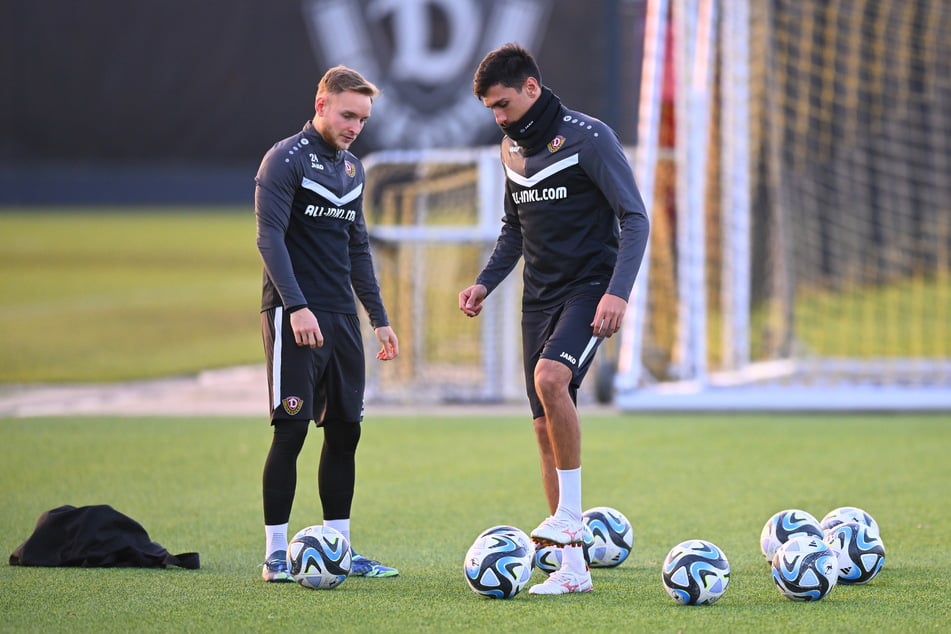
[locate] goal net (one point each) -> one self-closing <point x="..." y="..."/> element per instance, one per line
<point x="805" y="261"/>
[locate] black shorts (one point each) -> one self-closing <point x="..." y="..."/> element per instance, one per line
<point x="325" y="383"/>
<point x="562" y="333"/>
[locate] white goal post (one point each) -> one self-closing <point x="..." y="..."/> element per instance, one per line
<point x="820" y="276"/>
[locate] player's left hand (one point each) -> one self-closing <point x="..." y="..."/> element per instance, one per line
<point x="471" y="299"/>
<point x="390" y="344"/>
<point x="609" y="316"/>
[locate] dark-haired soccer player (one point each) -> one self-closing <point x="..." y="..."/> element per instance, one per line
<point x="313" y="241"/>
<point x="574" y="213"/>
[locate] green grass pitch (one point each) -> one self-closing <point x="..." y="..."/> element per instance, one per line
<point x="114" y="294"/>
<point x="428" y="485"/>
<point x="93" y="295"/>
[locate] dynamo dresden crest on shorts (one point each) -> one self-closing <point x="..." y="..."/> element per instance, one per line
<point x="292" y="404"/>
<point x="421" y="54"/>
<point x="555" y="144"/>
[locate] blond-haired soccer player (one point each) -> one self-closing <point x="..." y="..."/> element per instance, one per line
<point x="313" y="241"/>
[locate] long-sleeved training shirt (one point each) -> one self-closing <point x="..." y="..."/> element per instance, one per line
<point x="311" y="232"/>
<point x="573" y="211"/>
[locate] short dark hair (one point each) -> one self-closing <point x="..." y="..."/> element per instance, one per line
<point x="509" y="65"/>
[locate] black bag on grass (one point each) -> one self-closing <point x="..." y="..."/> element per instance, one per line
<point x="94" y="537"/>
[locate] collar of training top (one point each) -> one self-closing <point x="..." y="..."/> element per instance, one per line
<point x="323" y="148"/>
<point x="532" y="129"/>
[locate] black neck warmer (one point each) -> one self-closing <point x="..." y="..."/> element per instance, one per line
<point x="531" y="130"/>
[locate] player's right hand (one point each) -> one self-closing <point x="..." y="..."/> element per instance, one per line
<point x="470" y="300"/>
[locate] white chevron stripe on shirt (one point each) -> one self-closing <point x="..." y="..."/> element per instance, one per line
<point x="554" y="168"/>
<point x="317" y="188"/>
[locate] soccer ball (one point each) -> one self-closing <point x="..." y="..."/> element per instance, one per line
<point x="859" y="551"/>
<point x="319" y="557"/>
<point x="695" y="572"/>
<point x="613" y="536"/>
<point x="845" y="514"/>
<point x="785" y="525"/>
<point x="520" y="536"/>
<point x="548" y="557"/>
<point x="497" y="566"/>
<point x="805" y="568"/>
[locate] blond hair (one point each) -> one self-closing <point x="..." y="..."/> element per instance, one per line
<point x="341" y="79"/>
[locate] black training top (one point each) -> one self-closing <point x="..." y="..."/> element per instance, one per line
<point x="311" y="231"/>
<point x="572" y="210"/>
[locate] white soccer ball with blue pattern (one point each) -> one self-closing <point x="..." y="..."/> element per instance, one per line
<point x="612" y="536"/>
<point x="497" y="566"/>
<point x="319" y="557"/>
<point x="548" y="558"/>
<point x="859" y="551"/>
<point x="785" y="525"/>
<point x="520" y="536"/>
<point x="846" y="514"/>
<point x="695" y="572"/>
<point x="805" y="568"/>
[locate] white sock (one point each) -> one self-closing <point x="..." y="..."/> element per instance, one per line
<point x="275" y="539"/>
<point x="572" y="558"/>
<point x="569" y="493"/>
<point x="341" y="525"/>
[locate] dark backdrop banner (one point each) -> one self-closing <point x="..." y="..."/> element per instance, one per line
<point x="194" y="92"/>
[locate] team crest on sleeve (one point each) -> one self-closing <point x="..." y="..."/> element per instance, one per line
<point x="292" y="404"/>
<point x="555" y="144"/>
<point x="351" y="170"/>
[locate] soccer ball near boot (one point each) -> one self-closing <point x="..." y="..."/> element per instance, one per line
<point x="497" y="566"/>
<point x="695" y="572"/>
<point x="805" y="568"/>
<point x="513" y="531"/>
<point x="613" y="536"/>
<point x="319" y="557"/>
